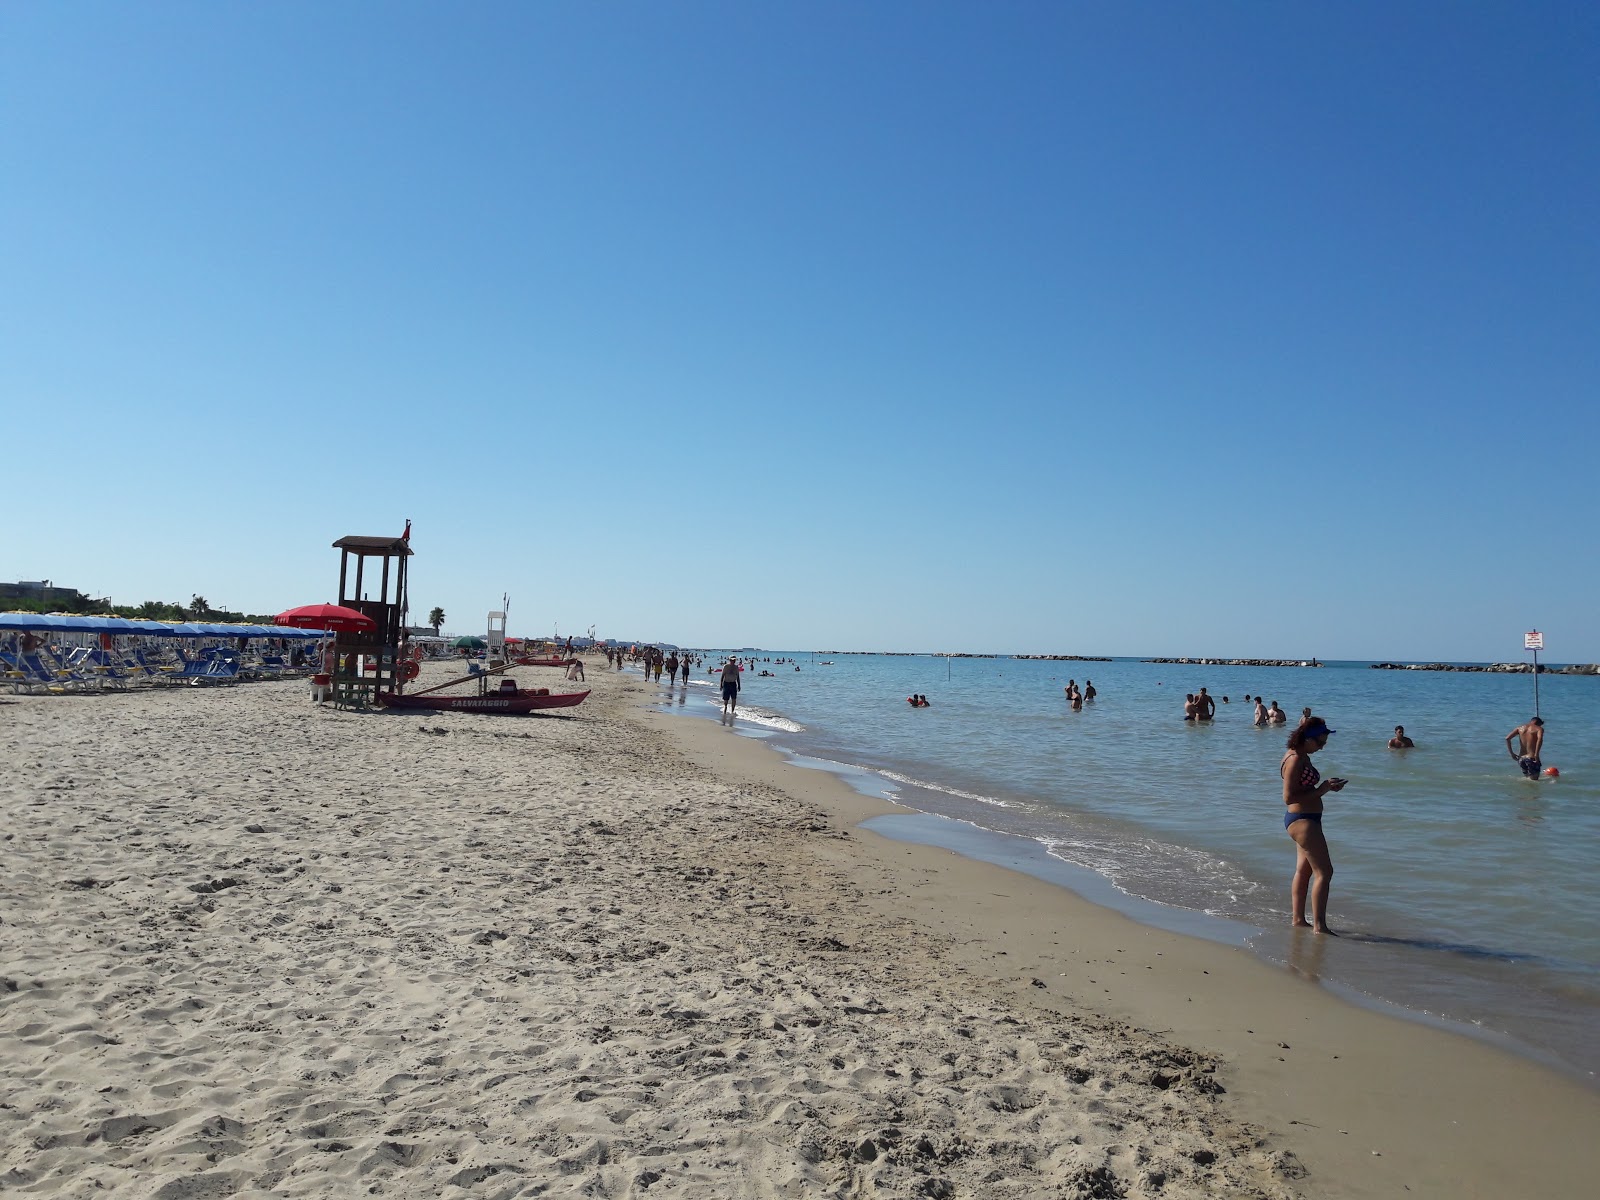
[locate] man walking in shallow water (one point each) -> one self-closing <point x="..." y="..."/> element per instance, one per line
<point x="730" y="686"/>
<point x="1530" y="741"/>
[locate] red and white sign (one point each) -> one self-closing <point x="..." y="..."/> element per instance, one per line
<point x="1533" y="640"/>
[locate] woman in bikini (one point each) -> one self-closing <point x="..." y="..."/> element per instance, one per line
<point x="1303" y="790"/>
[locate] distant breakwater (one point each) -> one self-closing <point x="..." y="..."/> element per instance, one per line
<point x="1061" y="657"/>
<point x="1493" y="668"/>
<point x="909" y="654"/>
<point x="1238" y="662"/>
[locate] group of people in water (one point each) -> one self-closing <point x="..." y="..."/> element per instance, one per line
<point x="1202" y="706"/>
<point x="1077" y="697"/>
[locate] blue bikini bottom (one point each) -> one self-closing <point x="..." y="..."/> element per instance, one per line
<point x="1289" y="818"/>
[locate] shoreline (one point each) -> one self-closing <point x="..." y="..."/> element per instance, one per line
<point x="1372" y="1102"/>
<point x="1529" y="987"/>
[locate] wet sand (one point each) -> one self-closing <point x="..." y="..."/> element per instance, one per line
<point x="251" y="947"/>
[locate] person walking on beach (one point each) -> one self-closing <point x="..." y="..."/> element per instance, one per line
<point x="1303" y="790"/>
<point x="1400" y="741"/>
<point x="730" y="686"/>
<point x="1530" y="741"/>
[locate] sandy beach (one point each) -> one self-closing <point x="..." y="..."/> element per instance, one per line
<point x="250" y="947"/>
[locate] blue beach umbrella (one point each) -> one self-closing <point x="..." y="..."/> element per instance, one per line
<point x="30" y="621"/>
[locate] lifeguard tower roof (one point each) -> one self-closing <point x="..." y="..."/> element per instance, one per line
<point x="365" y="546"/>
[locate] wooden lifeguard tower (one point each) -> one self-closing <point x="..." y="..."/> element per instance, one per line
<point x="367" y="664"/>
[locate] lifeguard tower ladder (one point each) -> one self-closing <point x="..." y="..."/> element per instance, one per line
<point x="366" y="665"/>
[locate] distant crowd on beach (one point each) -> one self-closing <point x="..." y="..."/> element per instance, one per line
<point x="653" y="661"/>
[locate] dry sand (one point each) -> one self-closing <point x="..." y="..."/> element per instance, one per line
<point x="250" y="947"/>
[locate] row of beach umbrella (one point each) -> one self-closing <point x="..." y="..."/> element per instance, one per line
<point x="72" y="623"/>
<point x="307" y="621"/>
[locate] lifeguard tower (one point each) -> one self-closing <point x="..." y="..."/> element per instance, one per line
<point x="495" y="655"/>
<point x="367" y="664"/>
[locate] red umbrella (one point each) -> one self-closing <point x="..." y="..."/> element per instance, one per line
<point x="326" y="616"/>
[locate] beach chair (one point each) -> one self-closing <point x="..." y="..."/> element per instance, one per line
<point x="102" y="665"/>
<point x="140" y="669"/>
<point x="51" y="677"/>
<point x="208" y="670"/>
<point x="12" y="672"/>
<point x="78" y="677"/>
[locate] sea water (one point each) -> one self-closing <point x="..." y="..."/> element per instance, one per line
<point x="1462" y="890"/>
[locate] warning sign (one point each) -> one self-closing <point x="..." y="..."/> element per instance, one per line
<point x="1533" y="640"/>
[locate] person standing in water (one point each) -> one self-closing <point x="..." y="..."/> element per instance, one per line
<point x="1530" y="741"/>
<point x="1303" y="790"/>
<point x="1088" y="689"/>
<point x="1400" y="741"/>
<point x="730" y="686"/>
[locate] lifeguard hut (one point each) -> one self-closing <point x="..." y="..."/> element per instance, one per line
<point x="495" y="655"/>
<point x="368" y="663"/>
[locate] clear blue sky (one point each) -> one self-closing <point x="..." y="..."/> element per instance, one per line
<point x="1233" y="328"/>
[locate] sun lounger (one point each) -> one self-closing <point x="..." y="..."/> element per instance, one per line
<point x="104" y="666"/>
<point x="139" y="667"/>
<point x="209" y="670"/>
<point x="16" y="678"/>
<point x="31" y="672"/>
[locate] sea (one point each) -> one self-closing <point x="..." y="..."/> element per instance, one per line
<point x="1464" y="894"/>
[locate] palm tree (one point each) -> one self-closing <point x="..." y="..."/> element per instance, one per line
<point x="436" y="619"/>
<point x="198" y="606"/>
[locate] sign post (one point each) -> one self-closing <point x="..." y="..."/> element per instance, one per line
<point x="1534" y="640"/>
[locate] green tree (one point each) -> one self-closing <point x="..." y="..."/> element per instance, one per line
<point x="436" y="619"/>
<point x="152" y="610"/>
<point x="199" y="606"/>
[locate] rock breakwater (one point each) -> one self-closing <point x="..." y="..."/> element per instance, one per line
<point x="1493" y="668"/>
<point x="1239" y="662"/>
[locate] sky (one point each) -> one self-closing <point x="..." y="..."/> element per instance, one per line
<point x="1238" y="329"/>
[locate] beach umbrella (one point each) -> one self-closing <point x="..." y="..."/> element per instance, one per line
<point x="469" y="643"/>
<point x="124" y="625"/>
<point x="36" y="621"/>
<point x="326" y="616"/>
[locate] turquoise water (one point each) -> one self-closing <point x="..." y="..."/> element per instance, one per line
<point x="1463" y="890"/>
